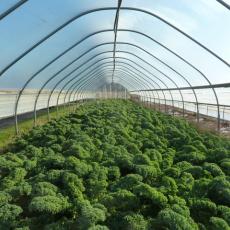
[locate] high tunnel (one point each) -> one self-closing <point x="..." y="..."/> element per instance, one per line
<point x="171" y="55"/>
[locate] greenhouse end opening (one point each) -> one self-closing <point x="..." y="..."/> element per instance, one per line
<point x="115" y="114"/>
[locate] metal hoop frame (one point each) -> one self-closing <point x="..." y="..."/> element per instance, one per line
<point x="67" y="23"/>
<point x="121" y="76"/>
<point x="79" y="89"/>
<point x="91" y="50"/>
<point x="162" y="63"/>
<point x="148" y="81"/>
<point x="142" y="72"/>
<point x="123" y="69"/>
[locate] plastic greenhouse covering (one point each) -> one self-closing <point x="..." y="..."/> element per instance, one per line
<point x="175" y="54"/>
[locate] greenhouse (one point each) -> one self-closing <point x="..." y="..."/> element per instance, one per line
<point x="115" y="114"/>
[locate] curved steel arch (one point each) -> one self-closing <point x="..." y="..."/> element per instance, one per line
<point x="147" y="70"/>
<point x="80" y="79"/>
<point x="192" y="66"/>
<point x="106" y="9"/>
<point x="118" y="51"/>
<point x="126" y="72"/>
<point x="174" y="54"/>
<point x="126" y="85"/>
<point x="74" y="78"/>
<point x="124" y="63"/>
<point x="108" y="71"/>
<point x="143" y="50"/>
<point x="59" y="28"/>
<point x="149" y="53"/>
<point x="95" y="75"/>
<point x="112" y="8"/>
<point x="120" y="77"/>
<point x="12" y="9"/>
<point x="106" y="44"/>
<point x="223" y="3"/>
<point x="85" y="80"/>
<point x="98" y="74"/>
<point x="120" y="70"/>
<point x="88" y="82"/>
<point x="177" y="29"/>
<point x="63" y="88"/>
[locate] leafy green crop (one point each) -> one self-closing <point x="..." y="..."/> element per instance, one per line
<point x="115" y="165"/>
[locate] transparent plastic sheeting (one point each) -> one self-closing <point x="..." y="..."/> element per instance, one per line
<point x="55" y="51"/>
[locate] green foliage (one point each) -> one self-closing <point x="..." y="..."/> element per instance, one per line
<point x="121" y="200"/>
<point x="218" y="224"/>
<point x="219" y="190"/>
<point x="49" y="204"/>
<point x="44" y="188"/>
<point x="202" y="209"/>
<point x="127" y="182"/>
<point x="135" y="222"/>
<point x="9" y="212"/>
<point x="5" y="197"/>
<point x="90" y="216"/>
<point x="172" y="220"/>
<point x="144" y="191"/>
<point x="225" y="165"/>
<point x="116" y="165"/>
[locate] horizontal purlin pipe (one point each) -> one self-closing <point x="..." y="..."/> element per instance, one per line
<point x="199" y="103"/>
<point x="223" y="85"/>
